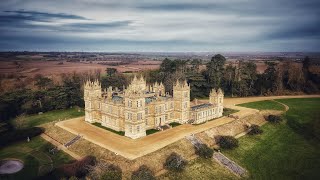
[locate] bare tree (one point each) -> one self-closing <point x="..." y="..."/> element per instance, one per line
<point x="20" y="121"/>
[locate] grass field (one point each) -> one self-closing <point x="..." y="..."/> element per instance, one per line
<point x="281" y="152"/>
<point x="35" y="120"/>
<point x="264" y="105"/>
<point x="227" y="111"/>
<point x="37" y="160"/>
<point x="151" y="131"/>
<point x="200" y="168"/>
<point x="121" y="133"/>
<point x="174" y="124"/>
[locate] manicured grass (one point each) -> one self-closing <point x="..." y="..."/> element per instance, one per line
<point x="200" y="168"/>
<point x="151" y="131"/>
<point x="264" y="105"/>
<point x="228" y="111"/>
<point x="281" y="152"/>
<point x="34" y="154"/>
<point x="35" y="120"/>
<point x="174" y="124"/>
<point x="308" y="108"/>
<point x="121" y="133"/>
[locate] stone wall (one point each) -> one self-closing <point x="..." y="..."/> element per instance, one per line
<point x="233" y="128"/>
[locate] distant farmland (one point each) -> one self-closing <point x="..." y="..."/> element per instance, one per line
<point x="30" y="68"/>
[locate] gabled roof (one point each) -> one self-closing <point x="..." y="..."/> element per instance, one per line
<point x="200" y="106"/>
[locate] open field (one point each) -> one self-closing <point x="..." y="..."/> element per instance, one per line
<point x="37" y="160"/>
<point x="264" y="105"/>
<point x="200" y="168"/>
<point x="281" y="152"/>
<point x="242" y="100"/>
<point x="56" y="115"/>
<point x="30" y="68"/>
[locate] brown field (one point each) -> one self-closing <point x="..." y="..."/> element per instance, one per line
<point x="30" y="68"/>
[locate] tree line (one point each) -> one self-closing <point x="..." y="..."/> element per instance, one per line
<point x="239" y="79"/>
<point x="47" y="95"/>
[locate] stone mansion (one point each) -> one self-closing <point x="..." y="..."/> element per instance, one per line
<point x="140" y="107"/>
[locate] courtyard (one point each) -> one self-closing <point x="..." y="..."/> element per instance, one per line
<point x="134" y="148"/>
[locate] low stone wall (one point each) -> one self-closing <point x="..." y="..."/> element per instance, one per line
<point x="233" y="128"/>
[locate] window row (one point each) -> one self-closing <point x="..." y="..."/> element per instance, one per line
<point x="130" y="116"/>
<point x="109" y="121"/>
<point x="138" y="103"/>
<point x="206" y="113"/>
<point x="162" y="108"/>
<point x="131" y="128"/>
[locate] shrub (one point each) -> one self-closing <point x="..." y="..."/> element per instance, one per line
<point x="78" y="168"/>
<point x="255" y="129"/>
<point x="112" y="172"/>
<point x="274" y="119"/>
<point x="143" y="173"/>
<point x="204" y="151"/>
<point x="18" y="135"/>
<point x="175" y="162"/>
<point x="316" y="128"/>
<point x="228" y="142"/>
<point x="73" y="178"/>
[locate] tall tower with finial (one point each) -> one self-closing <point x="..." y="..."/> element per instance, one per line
<point x="134" y="110"/>
<point x="216" y="97"/>
<point x="92" y="99"/>
<point x="220" y="96"/>
<point x="181" y="98"/>
<point x="213" y="97"/>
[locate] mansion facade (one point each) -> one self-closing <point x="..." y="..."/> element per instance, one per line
<point x="140" y="107"/>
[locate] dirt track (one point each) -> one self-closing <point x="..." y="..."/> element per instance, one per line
<point x="132" y="149"/>
<point x="234" y="101"/>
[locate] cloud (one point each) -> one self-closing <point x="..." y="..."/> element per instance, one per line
<point x="102" y="25"/>
<point x="37" y="16"/>
<point x="33" y="20"/>
<point x="173" y="25"/>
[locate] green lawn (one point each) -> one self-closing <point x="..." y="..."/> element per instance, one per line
<point x="264" y="105"/>
<point x="281" y="152"/>
<point x="121" y="133"/>
<point x="200" y="168"/>
<point x="34" y="154"/>
<point x="35" y="120"/>
<point x="151" y="131"/>
<point x="174" y="124"/>
<point x="227" y="111"/>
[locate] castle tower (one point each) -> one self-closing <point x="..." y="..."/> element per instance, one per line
<point x="216" y="97"/>
<point x="181" y="98"/>
<point x="92" y="99"/>
<point x="159" y="89"/>
<point x="220" y="96"/>
<point x="213" y="97"/>
<point x="109" y="93"/>
<point x="134" y="110"/>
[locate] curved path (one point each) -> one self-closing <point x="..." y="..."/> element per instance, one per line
<point x="134" y="148"/>
<point x="235" y="101"/>
<point x="285" y="106"/>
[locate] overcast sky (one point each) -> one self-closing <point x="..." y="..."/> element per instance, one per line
<point x="176" y="25"/>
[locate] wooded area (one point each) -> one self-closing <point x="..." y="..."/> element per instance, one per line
<point x="237" y="80"/>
